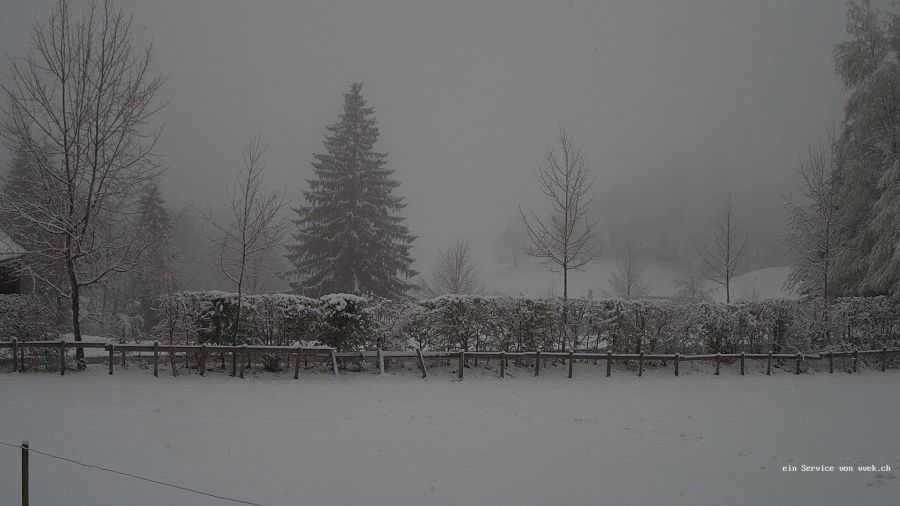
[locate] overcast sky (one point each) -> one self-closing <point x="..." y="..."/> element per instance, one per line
<point x="469" y="92"/>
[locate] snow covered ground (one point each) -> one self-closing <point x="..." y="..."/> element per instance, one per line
<point x="396" y="440"/>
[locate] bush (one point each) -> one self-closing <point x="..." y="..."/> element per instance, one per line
<point x="473" y="322"/>
<point x="26" y="318"/>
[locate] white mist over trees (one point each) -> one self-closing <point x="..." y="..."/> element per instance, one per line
<point x="349" y="238"/>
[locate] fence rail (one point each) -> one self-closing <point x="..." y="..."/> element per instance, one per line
<point x="243" y="353"/>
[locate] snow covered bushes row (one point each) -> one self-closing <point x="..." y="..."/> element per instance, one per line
<point x="471" y="322"/>
<point x="271" y="320"/>
<point x="662" y="326"/>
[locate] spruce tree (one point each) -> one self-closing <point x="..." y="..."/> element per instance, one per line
<point x="349" y="238"/>
<point x="22" y="185"/>
<point x="155" y="227"/>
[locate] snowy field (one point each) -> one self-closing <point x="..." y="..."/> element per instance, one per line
<point x="360" y="439"/>
<point x="531" y="278"/>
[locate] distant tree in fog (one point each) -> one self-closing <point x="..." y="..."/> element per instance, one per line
<point x="691" y="287"/>
<point x="721" y="257"/>
<point x="564" y="239"/>
<point x="454" y="272"/>
<point x="628" y="280"/>
<point x="510" y="242"/>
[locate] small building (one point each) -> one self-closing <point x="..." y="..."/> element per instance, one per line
<point x="12" y="267"/>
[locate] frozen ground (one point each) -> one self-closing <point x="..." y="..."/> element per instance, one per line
<point x="361" y="439"/>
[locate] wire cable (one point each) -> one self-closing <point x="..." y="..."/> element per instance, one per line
<point x="151" y="480"/>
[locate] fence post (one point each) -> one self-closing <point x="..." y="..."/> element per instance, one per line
<point x="830" y="362"/>
<point x="502" y="364"/>
<point x="742" y="363"/>
<point x="243" y="361"/>
<point x="537" y="363"/>
<point x="608" y="364"/>
<point x="155" y="359"/>
<point x="883" y="358"/>
<point x="124" y="362"/>
<point x="15" y="351"/>
<point x="571" y="361"/>
<point x="297" y="363"/>
<point x="677" y="358"/>
<point x="799" y="357"/>
<point x="422" y="364"/>
<point x="203" y="359"/>
<point x="380" y="362"/>
<point x="62" y="357"/>
<point x="856" y="361"/>
<point x="462" y="361"/>
<point x="641" y="364"/>
<point x="718" y="359"/>
<point x="111" y="348"/>
<point x="25" y="473"/>
<point x="769" y="364"/>
<point x="334" y="366"/>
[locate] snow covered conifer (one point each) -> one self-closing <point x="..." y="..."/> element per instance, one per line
<point x="349" y="238"/>
<point x="155" y="267"/>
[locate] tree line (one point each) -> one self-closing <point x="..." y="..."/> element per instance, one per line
<point x="81" y="193"/>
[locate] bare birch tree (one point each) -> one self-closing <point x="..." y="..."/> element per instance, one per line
<point x="628" y="281"/>
<point x="454" y="272"/>
<point x="814" y="227"/>
<point x="564" y="240"/>
<point x="253" y="227"/>
<point x="721" y="258"/>
<point x="80" y="104"/>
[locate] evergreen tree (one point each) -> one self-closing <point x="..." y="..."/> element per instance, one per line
<point x="349" y="238"/>
<point x="155" y="269"/>
<point x="22" y="183"/>
<point x="867" y="259"/>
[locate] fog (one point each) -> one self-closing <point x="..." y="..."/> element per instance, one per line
<point x="676" y="104"/>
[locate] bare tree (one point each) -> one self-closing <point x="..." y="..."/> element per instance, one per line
<point x="80" y="104"/>
<point x="814" y="227"/>
<point x="721" y="259"/>
<point x="454" y="272"/>
<point x="564" y="240"/>
<point x="628" y="281"/>
<point x="690" y="288"/>
<point x="254" y="226"/>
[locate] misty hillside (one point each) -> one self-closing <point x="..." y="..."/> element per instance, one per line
<point x="530" y="277"/>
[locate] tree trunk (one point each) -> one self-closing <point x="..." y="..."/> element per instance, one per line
<point x="565" y="308"/>
<point x="75" y="305"/>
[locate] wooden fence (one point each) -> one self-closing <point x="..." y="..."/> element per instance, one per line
<point x="242" y="355"/>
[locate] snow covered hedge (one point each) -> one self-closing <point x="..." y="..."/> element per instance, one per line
<point x="26" y="318"/>
<point x="472" y="322"/>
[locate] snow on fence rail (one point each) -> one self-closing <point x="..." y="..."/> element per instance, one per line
<point x="243" y="354"/>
